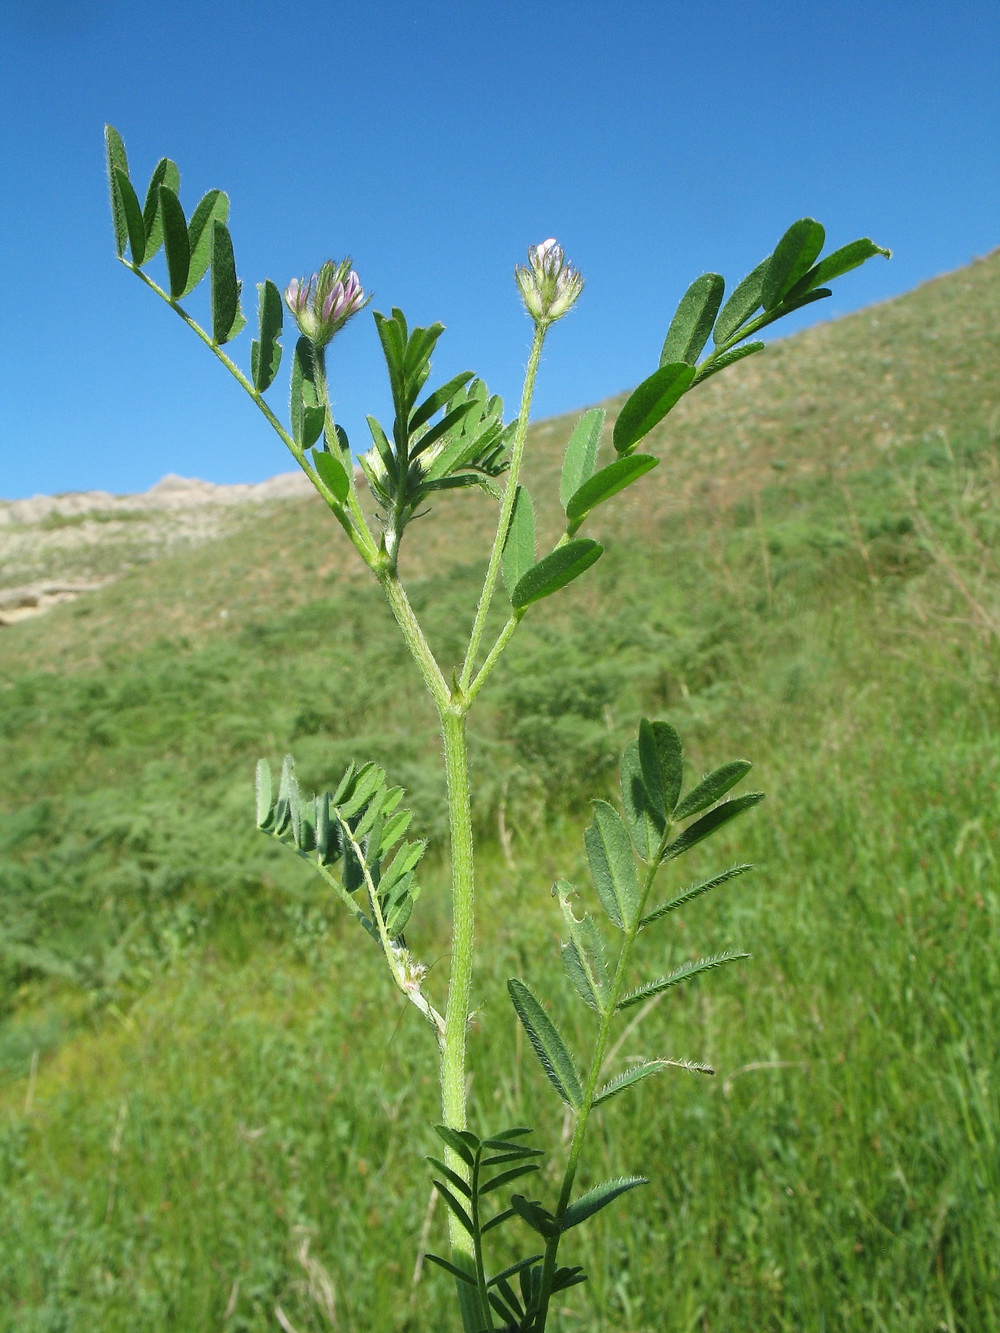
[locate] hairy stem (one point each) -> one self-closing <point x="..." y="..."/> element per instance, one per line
<point x="413" y="634"/>
<point x="506" y="508"/>
<point x="453" y="1095"/>
<point x="503" y="638"/>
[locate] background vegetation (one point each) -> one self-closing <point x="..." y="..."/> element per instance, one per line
<point x="211" y="1104"/>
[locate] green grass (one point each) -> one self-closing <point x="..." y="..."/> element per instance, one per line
<point x="201" y="1066"/>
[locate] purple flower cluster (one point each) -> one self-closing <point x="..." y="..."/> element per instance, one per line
<point x="324" y="303"/>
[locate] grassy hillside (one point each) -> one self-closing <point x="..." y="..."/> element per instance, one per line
<point x="199" y="1069"/>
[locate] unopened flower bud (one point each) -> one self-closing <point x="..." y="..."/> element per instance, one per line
<point x="325" y="302"/>
<point x="549" y="284"/>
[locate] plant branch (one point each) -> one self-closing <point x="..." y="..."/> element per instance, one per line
<point x="362" y="539"/>
<point x="506" y="508"/>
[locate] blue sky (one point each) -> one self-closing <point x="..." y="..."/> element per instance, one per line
<point x="434" y="141"/>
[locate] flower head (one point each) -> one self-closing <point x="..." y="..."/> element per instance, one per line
<point x="324" y="303"/>
<point x="549" y="284"/>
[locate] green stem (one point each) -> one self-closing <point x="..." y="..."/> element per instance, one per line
<point x="590" y="1088"/>
<point x="503" y="638"/>
<point x="453" y="1095"/>
<point x="415" y="640"/>
<point x="361" y="538"/>
<point x="506" y="508"/>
